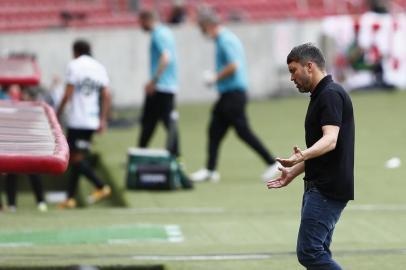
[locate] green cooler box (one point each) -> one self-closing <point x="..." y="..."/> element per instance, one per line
<point x="152" y="169"/>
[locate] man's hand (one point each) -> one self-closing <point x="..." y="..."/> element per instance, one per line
<point x="59" y="114"/>
<point x="150" y="88"/>
<point x="296" y="158"/>
<point x="103" y="126"/>
<point x="209" y="78"/>
<point x="69" y="90"/>
<point x="283" y="180"/>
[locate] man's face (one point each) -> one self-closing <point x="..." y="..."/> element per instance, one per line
<point x="300" y="75"/>
<point x="146" y="25"/>
<point x="208" y="30"/>
<point x="204" y="29"/>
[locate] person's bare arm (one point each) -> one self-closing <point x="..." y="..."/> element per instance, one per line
<point x="69" y="89"/>
<point x="163" y="63"/>
<point x="105" y="108"/>
<point x="227" y="71"/>
<point x="326" y="144"/>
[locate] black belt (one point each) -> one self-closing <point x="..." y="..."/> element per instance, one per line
<point x="234" y="91"/>
<point x="309" y="185"/>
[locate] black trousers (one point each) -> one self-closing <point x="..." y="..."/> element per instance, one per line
<point x="11" y="188"/>
<point x="159" y="107"/>
<point x="79" y="141"/>
<point x="229" y="111"/>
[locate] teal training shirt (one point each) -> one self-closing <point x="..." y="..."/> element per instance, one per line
<point x="3" y="96"/>
<point x="162" y="40"/>
<point x="230" y="50"/>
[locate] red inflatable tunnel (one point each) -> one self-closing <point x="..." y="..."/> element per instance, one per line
<point x="19" y="70"/>
<point x="31" y="139"/>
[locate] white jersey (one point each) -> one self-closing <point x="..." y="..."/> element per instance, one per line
<point x="88" y="77"/>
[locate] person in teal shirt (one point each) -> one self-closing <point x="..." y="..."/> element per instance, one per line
<point x="160" y="91"/>
<point x="229" y="50"/>
<point x="231" y="82"/>
<point x="3" y="94"/>
<point x="163" y="49"/>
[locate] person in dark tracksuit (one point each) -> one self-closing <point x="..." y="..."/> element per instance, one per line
<point x="229" y="110"/>
<point x="11" y="190"/>
<point x="25" y="94"/>
<point x="160" y="91"/>
<point x="328" y="161"/>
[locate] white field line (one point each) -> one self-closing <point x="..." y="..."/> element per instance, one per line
<point x="15" y="245"/>
<point x="377" y="207"/>
<point x="174" y="233"/>
<point x="134" y="241"/>
<point x="198" y="211"/>
<point x="176" y="210"/>
<point x="256" y="256"/>
<point x="229" y="257"/>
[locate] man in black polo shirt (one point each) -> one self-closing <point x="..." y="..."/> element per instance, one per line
<point x="328" y="161"/>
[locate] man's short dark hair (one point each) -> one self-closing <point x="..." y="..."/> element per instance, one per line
<point x="208" y="16"/>
<point x="81" y="47"/>
<point x="307" y="52"/>
<point x="147" y="15"/>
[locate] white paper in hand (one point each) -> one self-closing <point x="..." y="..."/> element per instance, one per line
<point x="209" y="78"/>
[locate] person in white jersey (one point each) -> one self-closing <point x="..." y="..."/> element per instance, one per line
<point x="87" y="101"/>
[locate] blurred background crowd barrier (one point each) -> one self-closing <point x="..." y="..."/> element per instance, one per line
<point x="364" y="40"/>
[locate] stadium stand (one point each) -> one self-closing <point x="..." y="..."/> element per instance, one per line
<point x="17" y="15"/>
<point x="48" y="14"/>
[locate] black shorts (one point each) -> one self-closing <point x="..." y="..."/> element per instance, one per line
<point x="80" y="139"/>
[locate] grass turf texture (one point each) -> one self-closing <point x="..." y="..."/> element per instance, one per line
<point x="238" y="215"/>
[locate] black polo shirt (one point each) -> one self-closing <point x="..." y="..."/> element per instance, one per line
<point x="333" y="172"/>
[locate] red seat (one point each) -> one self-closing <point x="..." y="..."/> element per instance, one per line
<point x="40" y="14"/>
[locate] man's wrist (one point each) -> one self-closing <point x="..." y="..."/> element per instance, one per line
<point x="216" y="78"/>
<point x="293" y="172"/>
<point x="155" y="79"/>
<point x="304" y="155"/>
<point x="59" y="112"/>
<point x="290" y="176"/>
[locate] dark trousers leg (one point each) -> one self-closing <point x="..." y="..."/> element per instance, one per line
<point x="217" y="130"/>
<point x="36" y="185"/>
<point x="11" y="183"/>
<point x="73" y="180"/>
<point x="78" y="168"/>
<point x="245" y="133"/>
<point x="87" y="170"/>
<point x="159" y="107"/>
<point x="149" y="120"/>
<point x="11" y="189"/>
<point x="169" y="117"/>
<point x="319" y="217"/>
<point x="172" y="141"/>
<point x="234" y="110"/>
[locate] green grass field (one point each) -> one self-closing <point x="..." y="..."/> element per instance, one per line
<point x="236" y="216"/>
